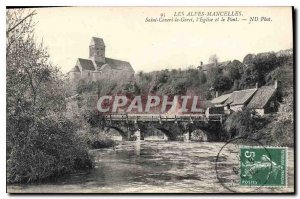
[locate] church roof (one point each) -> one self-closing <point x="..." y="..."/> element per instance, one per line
<point x="118" y="64"/>
<point x="105" y="66"/>
<point x="97" y="41"/>
<point x="240" y="97"/>
<point x="262" y="97"/>
<point x="99" y="64"/>
<point x="86" y="64"/>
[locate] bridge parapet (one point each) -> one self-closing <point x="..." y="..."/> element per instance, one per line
<point x="163" y="117"/>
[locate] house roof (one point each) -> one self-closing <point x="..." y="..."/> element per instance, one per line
<point x="222" y="65"/>
<point x="85" y="64"/>
<point x="240" y="97"/>
<point x="221" y="99"/>
<point x="262" y="97"/>
<point x="97" y="41"/>
<point x="75" y="69"/>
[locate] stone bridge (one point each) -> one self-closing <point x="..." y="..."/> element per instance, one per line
<point x="175" y="127"/>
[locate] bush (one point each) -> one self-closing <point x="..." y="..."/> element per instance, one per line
<point x="242" y="124"/>
<point x="97" y="138"/>
<point x="49" y="148"/>
<point x="283" y="133"/>
<point x="104" y="143"/>
<point x="273" y="130"/>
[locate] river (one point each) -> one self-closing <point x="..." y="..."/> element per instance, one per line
<point x="148" y="167"/>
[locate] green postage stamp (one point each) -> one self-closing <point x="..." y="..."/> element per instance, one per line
<point x="263" y="166"/>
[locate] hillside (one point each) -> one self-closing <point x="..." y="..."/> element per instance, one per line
<point x="263" y="69"/>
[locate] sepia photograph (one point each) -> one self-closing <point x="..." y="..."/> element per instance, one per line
<point x="193" y="100"/>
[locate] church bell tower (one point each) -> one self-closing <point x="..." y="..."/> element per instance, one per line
<point x="97" y="49"/>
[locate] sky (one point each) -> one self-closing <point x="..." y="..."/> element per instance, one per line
<point x="150" y="46"/>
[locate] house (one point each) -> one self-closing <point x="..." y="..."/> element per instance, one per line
<point x="214" y="112"/>
<point x="98" y="66"/>
<point x="219" y="101"/>
<point x="261" y="100"/>
<point x="238" y="100"/>
<point x="264" y="100"/>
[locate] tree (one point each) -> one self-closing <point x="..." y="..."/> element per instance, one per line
<point x="212" y="74"/>
<point x="222" y="83"/>
<point x="19" y="24"/>
<point x="248" y="59"/>
<point x="41" y="141"/>
<point x="202" y="77"/>
<point x="235" y="70"/>
<point x="257" y="68"/>
<point x="213" y="59"/>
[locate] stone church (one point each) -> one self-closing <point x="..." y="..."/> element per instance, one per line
<point x="98" y="67"/>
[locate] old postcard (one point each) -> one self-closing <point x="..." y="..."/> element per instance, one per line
<point x="150" y="100"/>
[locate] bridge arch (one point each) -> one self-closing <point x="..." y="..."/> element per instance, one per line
<point x="120" y="130"/>
<point x="167" y="132"/>
<point x="173" y="132"/>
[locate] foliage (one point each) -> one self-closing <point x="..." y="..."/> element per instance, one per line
<point x="248" y="59"/>
<point x="41" y="141"/>
<point x="165" y="82"/>
<point x="95" y="135"/>
<point x="97" y="138"/>
<point x="282" y="132"/>
<point x="274" y="130"/>
<point x="213" y="73"/>
<point x="242" y="124"/>
<point x="262" y="68"/>
<point x="94" y="119"/>
<point x="235" y="70"/>
<point x="282" y="128"/>
<point x="46" y="149"/>
<point x="257" y="67"/>
<point x="213" y="59"/>
<point x="222" y="83"/>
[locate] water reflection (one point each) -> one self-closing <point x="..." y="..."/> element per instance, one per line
<point x="137" y="147"/>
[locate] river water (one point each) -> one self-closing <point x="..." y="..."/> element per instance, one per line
<point x="149" y="167"/>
